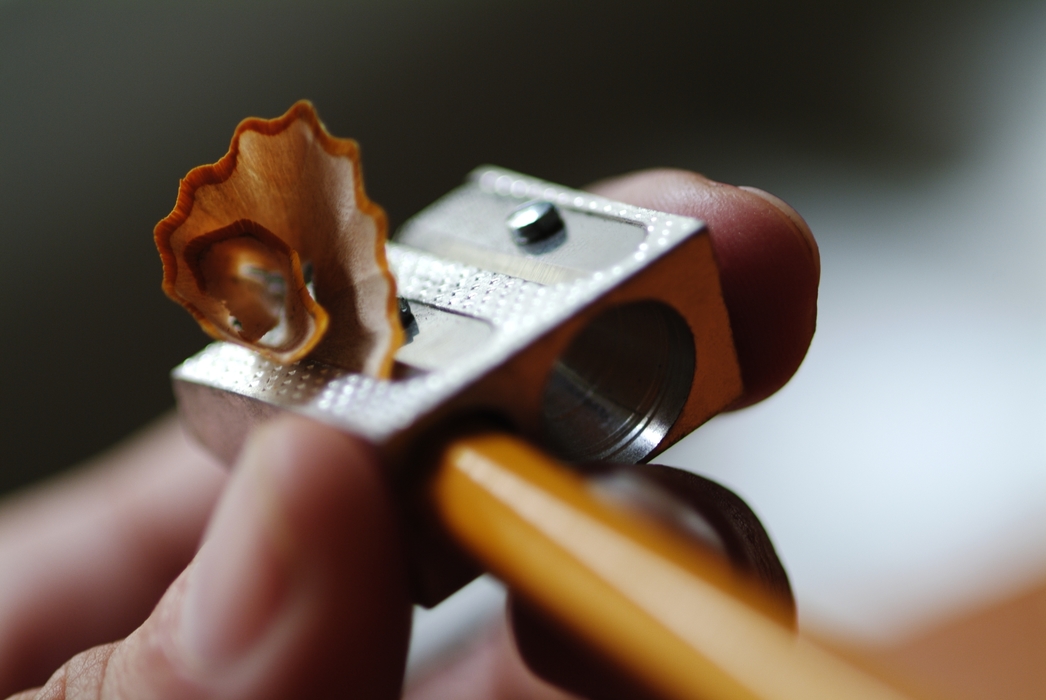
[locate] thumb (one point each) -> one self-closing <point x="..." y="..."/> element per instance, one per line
<point x="298" y="590"/>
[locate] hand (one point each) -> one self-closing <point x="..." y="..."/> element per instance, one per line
<point x="299" y="587"/>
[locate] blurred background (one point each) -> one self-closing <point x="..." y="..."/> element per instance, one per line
<point x="902" y="474"/>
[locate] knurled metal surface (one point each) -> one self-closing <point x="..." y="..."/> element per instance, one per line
<point x="517" y="310"/>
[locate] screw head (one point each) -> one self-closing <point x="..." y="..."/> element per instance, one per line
<point x="534" y="222"/>
<point x="406" y="315"/>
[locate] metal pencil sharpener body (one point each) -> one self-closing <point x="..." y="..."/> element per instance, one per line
<point x="596" y="329"/>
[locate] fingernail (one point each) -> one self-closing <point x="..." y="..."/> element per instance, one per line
<point x="242" y="578"/>
<point x="801" y="227"/>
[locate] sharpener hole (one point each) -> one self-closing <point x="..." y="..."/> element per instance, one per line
<point x="620" y="385"/>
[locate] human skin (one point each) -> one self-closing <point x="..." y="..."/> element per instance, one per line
<point x="299" y="587"/>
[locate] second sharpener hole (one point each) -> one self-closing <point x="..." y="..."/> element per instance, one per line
<point x="620" y="385"/>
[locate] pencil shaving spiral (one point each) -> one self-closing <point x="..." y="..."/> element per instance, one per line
<point x="286" y="203"/>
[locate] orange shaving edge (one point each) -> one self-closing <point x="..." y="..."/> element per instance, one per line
<point x="218" y="173"/>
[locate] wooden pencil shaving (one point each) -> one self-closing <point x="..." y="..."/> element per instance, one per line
<point x="245" y="233"/>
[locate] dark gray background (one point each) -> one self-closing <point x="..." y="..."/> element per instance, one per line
<point x="105" y="105"/>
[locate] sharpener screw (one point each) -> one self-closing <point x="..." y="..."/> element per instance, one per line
<point x="535" y="222"/>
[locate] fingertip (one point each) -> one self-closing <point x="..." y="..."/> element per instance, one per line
<point x="347" y="526"/>
<point x="801" y="228"/>
<point x="322" y="475"/>
<point x="768" y="260"/>
<point x="299" y="588"/>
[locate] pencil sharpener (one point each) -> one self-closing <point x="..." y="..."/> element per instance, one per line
<point x="594" y="328"/>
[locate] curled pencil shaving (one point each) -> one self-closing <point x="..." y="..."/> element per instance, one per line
<point x="286" y="199"/>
